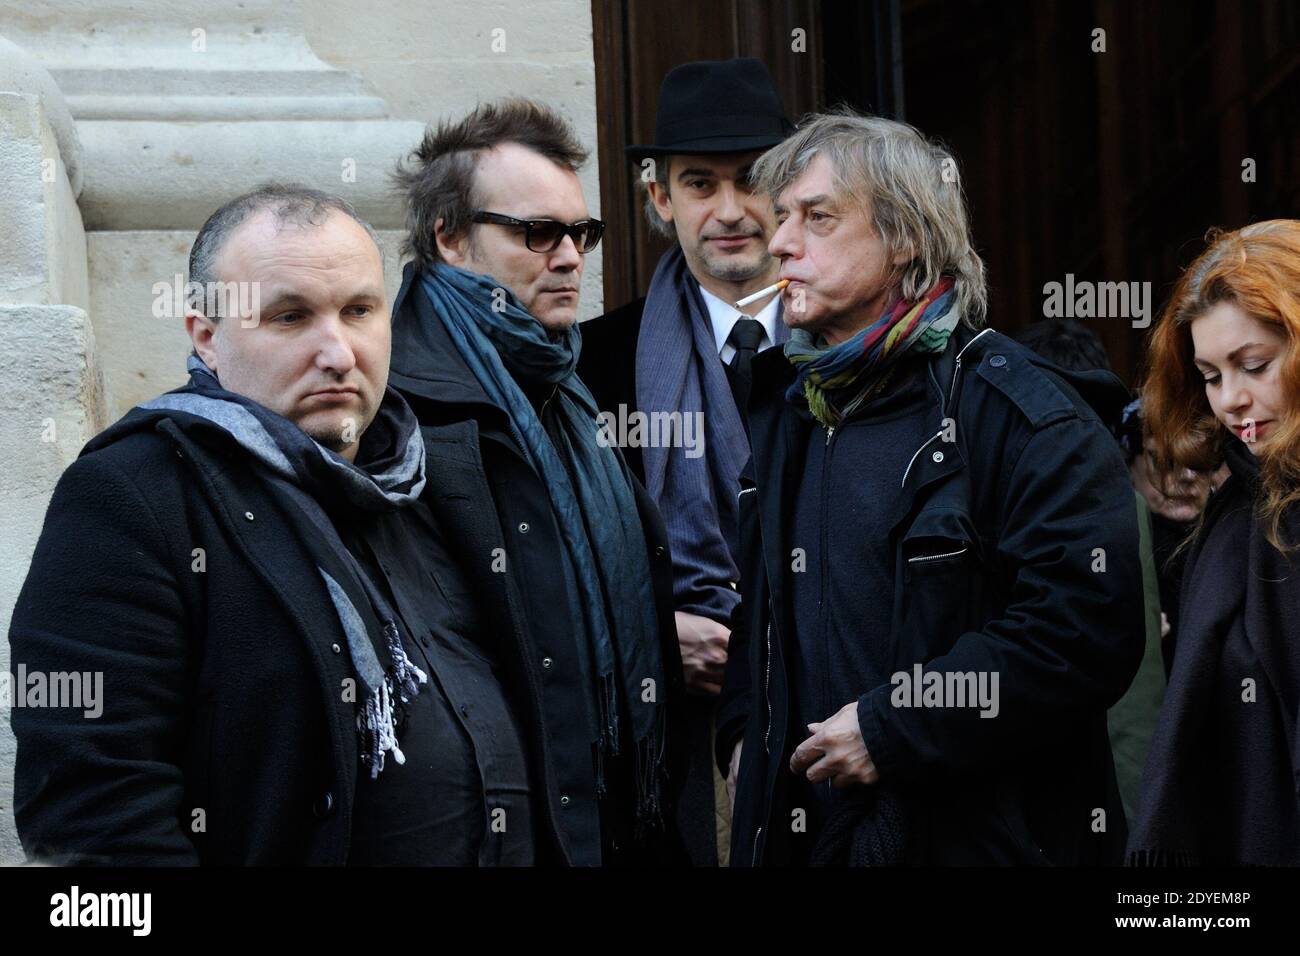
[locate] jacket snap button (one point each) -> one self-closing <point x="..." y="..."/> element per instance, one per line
<point x="998" y="361"/>
<point x="323" y="806"/>
<point x="523" y="527"/>
<point x="937" y="457"/>
<point x="248" y="515"/>
<point x="336" y="649"/>
<point x="564" y="801"/>
<point x="659" y="551"/>
<point x="546" y="663"/>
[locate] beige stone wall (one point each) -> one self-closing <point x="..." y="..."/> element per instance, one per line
<point x="428" y="61"/>
<point x="51" y="390"/>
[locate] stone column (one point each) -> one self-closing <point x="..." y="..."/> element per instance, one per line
<point x="52" y="388"/>
<point x="180" y="106"/>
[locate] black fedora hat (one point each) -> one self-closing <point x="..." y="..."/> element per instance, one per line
<point x="716" y="106"/>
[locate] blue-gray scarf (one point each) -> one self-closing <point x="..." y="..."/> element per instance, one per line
<point x="307" y="474"/>
<point x="678" y="370"/>
<point x="605" y="564"/>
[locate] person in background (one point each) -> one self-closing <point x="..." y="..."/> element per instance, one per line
<point x="1224" y="385"/>
<point x="1069" y="345"/>
<point x="1174" y="501"/>
<point x="686" y="349"/>
<point x="485" y="334"/>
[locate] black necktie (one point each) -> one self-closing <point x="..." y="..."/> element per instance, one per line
<point x="745" y="337"/>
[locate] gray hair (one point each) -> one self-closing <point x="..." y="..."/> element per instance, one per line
<point x="438" y="179"/>
<point x="911" y="188"/>
<point x="290" y="203"/>
<point x="658" y="225"/>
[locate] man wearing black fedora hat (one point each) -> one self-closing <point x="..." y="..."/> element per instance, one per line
<point x="684" y="350"/>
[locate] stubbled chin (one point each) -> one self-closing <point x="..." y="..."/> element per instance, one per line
<point x="554" y="323"/>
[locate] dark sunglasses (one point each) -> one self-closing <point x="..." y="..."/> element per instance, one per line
<point x="545" y="235"/>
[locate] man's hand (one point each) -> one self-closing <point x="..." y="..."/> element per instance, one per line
<point x="704" y="652"/>
<point x="733" y="771"/>
<point x="836" y="751"/>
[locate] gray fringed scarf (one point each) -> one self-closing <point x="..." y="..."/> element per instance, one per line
<point x="311" y="474"/>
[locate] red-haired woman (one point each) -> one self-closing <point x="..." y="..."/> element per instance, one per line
<point x="1220" y="785"/>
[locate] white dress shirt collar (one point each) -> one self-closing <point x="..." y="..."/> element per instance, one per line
<point x="723" y="316"/>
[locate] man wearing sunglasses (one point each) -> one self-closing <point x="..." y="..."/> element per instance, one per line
<point x="485" y="335"/>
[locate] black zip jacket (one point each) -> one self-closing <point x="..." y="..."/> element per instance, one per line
<point x="1017" y="553"/>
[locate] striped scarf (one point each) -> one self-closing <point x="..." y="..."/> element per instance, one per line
<point x="835" y="380"/>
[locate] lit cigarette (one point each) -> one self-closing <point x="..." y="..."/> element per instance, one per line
<point x="762" y="293"/>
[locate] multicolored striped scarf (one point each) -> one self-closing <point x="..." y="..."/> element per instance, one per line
<point x="836" y="379"/>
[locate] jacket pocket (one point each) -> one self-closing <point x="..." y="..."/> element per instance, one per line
<point x="939" y="539"/>
<point x="940" y="577"/>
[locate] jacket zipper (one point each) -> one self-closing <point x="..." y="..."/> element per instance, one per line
<point x="952" y="390"/>
<point x="956" y="372"/>
<point x="935" y="557"/>
<point x="916" y="453"/>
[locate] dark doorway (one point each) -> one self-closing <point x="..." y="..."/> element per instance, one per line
<point x="1108" y="164"/>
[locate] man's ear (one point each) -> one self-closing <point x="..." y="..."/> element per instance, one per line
<point x="663" y="202"/>
<point x="202" y="330"/>
<point x="451" y="249"/>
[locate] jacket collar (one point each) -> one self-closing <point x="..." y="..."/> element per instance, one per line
<point x="425" y="361"/>
<point x="779" y="437"/>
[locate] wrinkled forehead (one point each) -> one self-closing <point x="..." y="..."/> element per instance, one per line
<point x="820" y="185"/>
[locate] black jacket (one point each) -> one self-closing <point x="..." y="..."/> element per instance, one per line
<point x="434" y="379"/>
<point x="225" y="737"/>
<point x="607" y="365"/>
<point x="1220" y="783"/>
<point x="993" y="563"/>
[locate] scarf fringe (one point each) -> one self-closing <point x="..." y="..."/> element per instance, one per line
<point x="406" y="675"/>
<point x="607" y="700"/>
<point x="649" y="781"/>
<point x="378" y="718"/>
